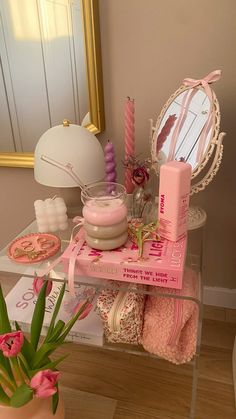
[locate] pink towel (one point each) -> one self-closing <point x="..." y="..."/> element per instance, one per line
<point x="170" y="325"/>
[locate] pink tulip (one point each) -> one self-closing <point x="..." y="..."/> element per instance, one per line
<point x="11" y="343"/>
<point x="43" y="383"/>
<point x="38" y="283"/>
<point x="88" y="307"/>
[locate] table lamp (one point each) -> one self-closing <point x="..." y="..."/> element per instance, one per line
<point x="68" y="156"/>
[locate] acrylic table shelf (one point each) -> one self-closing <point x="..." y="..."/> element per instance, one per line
<point x="193" y="260"/>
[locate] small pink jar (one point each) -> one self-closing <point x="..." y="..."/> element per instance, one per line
<point x="105" y="215"/>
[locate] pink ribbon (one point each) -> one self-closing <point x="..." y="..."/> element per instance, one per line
<point x="71" y="270"/>
<point x="74" y="252"/>
<point x="79" y="223"/>
<point x="210" y="78"/>
<point x="191" y="83"/>
<point x="183" y="114"/>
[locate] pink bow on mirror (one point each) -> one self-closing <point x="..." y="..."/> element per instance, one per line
<point x="191" y="83"/>
<point x="210" y="78"/>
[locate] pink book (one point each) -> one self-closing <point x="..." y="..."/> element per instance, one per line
<point x="162" y="263"/>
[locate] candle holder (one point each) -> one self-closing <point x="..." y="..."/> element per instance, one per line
<point x="105" y="215"/>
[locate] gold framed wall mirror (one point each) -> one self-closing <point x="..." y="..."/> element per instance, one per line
<point x="50" y="69"/>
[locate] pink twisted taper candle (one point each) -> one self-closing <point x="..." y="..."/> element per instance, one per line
<point x="110" y="163"/>
<point x="129" y="141"/>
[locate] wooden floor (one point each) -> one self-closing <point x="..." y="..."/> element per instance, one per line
<point x="102" y="384"/>
<point x="108" y="385"/>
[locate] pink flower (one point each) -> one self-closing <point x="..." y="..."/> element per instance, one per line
<point x="11" y="343"/>
<point x="140" y="176"/>
<point x="38" y="283"/>
<point x="43" y="383"/>
<point x="88" y="307"/>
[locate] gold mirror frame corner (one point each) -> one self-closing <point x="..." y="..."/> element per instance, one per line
<point x="95" y="84"/>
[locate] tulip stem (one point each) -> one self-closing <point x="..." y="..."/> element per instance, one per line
<point x="7" y="383"/>
<point x="16" y="370"/>
<point x="4" y="373"/>
<point x="25" y="364"/>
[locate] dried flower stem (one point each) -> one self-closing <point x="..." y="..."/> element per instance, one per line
<point x="144" y="205"/>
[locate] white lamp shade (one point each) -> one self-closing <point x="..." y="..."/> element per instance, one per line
<point x="71" y="144"/>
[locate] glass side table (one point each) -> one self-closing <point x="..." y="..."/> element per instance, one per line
<point x="194" y="260"/>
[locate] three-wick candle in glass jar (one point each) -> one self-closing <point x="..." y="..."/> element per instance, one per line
<point x="105" y="215"/>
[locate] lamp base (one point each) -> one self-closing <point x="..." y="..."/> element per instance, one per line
<point x="72" y="200"/>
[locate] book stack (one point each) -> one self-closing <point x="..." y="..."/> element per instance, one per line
<point x="162" y="263"/>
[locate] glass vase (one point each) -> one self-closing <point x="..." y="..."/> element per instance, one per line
<point x="144" y="206"/>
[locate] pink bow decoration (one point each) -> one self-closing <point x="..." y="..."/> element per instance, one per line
<point x="74" y="253"/>
<point x="210" y="78"/>
<point x="75" y="250"/>
<point x="78" y="220"/>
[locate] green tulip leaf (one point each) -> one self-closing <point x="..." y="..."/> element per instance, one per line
<point x="5" y="364"/>
<point x="71" y="323"/>
<point x="24" y="366"/>
<point x="57" y="331"/>
<point x="27" y="349"/>
<point x="53" y="364"/>
<point x="55" y="313"/>
<point x="4" y="399"/>
<point x="44" y="351"/>
<point x="22" y="395"/>
<point x="38" y="316"/>
<point x="55" y="400"/>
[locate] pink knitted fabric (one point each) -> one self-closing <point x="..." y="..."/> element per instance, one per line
<point x="164" y="335"/>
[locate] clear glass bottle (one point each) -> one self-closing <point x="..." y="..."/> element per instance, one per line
<point x="145" y="200"/>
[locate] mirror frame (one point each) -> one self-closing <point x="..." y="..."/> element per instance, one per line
<point x="95" y="86"/>
<point x="214" y="135"/>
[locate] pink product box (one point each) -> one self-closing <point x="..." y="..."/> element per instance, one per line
<point x="162" y="263"/>
<point x="175" y="180"/>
